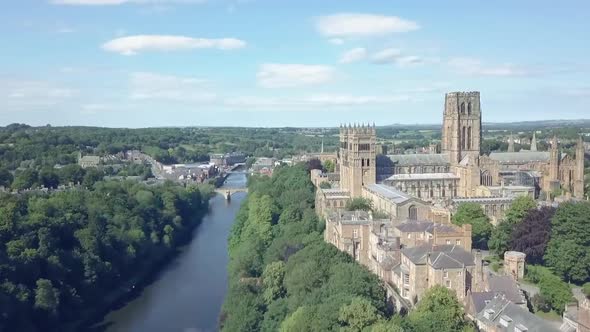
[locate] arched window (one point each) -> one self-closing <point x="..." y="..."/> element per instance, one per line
<point x="412" y="213"/>
<point x="469" y="108"/>
<point x="469" y="138"/>
<point x="463" y="143"/>
<point x="462" y="108"/>
<point x="486" y="178"/>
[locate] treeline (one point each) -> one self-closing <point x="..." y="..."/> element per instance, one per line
<point x="283" y="276"/>
<point x="38" y="147"/>
<point x="66" y="255"/>
<point x="51" y="177"/>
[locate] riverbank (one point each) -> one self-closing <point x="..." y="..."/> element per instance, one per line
<point x="131" y="289"/>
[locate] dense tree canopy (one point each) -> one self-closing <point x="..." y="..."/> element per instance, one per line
<point x="568" y="251"/>
<point x="532" y="234"/>
<point x="500" y="239"/>
<point x="473" y="214"/>
<point x="65" y="252"/>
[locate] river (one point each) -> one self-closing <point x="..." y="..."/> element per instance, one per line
<point x="187" y="294"/>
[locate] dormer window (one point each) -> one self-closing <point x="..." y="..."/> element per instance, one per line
<point x="505" y="320"/>
<point x="488" y="313"/>
<point x="520" y="328"/>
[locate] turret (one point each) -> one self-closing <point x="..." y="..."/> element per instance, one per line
<point x="510" y="143"/>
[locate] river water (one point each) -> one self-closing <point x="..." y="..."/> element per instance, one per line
<point x="188" y="293"/>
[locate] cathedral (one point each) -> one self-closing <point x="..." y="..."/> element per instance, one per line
<point x="407" y="238"/>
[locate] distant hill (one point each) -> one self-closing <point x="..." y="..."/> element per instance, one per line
<point x="521" y="125"/>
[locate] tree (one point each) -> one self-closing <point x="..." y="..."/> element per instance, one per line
<point x="325" y="185"/>
<point x="25" y="179"/>
<point x="5" y="178"/>
<point x="272" y="281"/>
<point x="568" y="251"/>
<point x="473" y="214"/>
<point x="532" y="235"/>
<point x="438" y="310"/>
<point x="500" y="239"/>
<point x="586" y="289"/>
<point x="359" y="203"/>
<point x="46" y="297"/>
<point x="359" y="314"/>
<point x="329" y="166"/>
<point x="314" y="164"/>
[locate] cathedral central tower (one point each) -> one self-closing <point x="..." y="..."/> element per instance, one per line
<point x="461" y="131"/>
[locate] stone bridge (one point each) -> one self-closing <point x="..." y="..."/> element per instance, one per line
<point x="227" y="192"/>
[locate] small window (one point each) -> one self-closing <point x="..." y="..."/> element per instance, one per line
<point x="448" y="241"/>
<point x="355" y="233"/>
<point x="448" y="283"/>
<point x="446" y="274"/>
<point x="409" y="235"/>
<point x="458" y="242"/>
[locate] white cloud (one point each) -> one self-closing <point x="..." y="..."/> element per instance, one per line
<point x="345" y="25"/>
<point x="387" y="55"/>
<point x="119" y="2"/>
<point x="475" y="67"/>
<point x="353" y="55"/>
<point x="336" y="41"/>
<point x="131" y="45"/>
<point x="35" y="90"/>
<point x="152" y="86"/>
<point x="274" y="75"/>
<point x="335" y="101"/>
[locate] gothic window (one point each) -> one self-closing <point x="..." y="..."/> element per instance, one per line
<point x="362" y="162"/>
<point x="469" y="138"/>
<point x="463" y="143"/>
<point x="431" y="192"/>
<point x="413" y="213"/>
<point x="462" y="108"/>
<point x="486" y="178"/>
<point x="444" y="194"/>
<point x="368" y="163"/>
<point x="469" y="108"/>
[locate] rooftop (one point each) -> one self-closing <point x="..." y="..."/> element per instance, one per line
<point x="500" y="312"/>
<point x="423" y="176"/>
<point x="520" y="157"/>
<point x="419" y="159"/>
<point x="441" y="257"/>
<point x="388" y="193"/>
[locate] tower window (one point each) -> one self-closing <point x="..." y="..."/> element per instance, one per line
<point x="368" y="163"/>
<point x="469" y="108"/>
<point x="413" y="213"/>
<point x="462" y="108"/>
<point x="469" y="138"/>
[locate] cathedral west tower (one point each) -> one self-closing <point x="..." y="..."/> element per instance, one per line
<point x="357" y="158"/>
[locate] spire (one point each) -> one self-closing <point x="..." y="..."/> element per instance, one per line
<point x="510" y="143"/>
<point x="554" y="143"/>
<point x="534" y="142"/>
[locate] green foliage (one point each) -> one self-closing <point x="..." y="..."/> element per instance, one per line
<point x="325" y="185"/>
<point x="66" y="251"/>
<point x="554" y="291"/>
<point x="359" y="203"/>
<point x="438" y="311"/>
<point x="289" y="279"/>
<point x="329" y="166"/>
<point x="568" y="251"/>
<point x="359" y="314"/>
<point x="586" y="289"/>
<point x="500" y="239"/>
<point x="473" y="214"/>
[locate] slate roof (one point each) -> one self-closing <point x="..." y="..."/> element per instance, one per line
<point x="389" y="193"/>
<point x="481" y="299"/>
<point x="520" y="157"/>
<point x="411" y="226"/>
<point x="441" y="159"/>
<point x="423" y="176"/>
<point x="441" y="257"/>
<point x="500" y="308"/>
<point x="507" y="286"/>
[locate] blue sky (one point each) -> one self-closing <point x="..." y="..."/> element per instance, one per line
<point x="138" y="63"/>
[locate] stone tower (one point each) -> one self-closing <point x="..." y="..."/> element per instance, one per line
<point x="510" y="143"/>
<point x="554" y="158"/>
<point x="579" y="171"/>
<point x="461" y="132"/>
<point x="357" y="158"/>
<point x="534" y="142"/>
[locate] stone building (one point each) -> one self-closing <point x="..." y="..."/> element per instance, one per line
<point x="500" y="314"/>
<point x="426" y="186"/>
<point x="357" y="158"/>
<point x="396" y="204"/>
<point x="418" y="233"/>
<point x="514" y="264"/>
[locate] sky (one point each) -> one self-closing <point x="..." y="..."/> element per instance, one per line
<point x="154" y="63"/>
